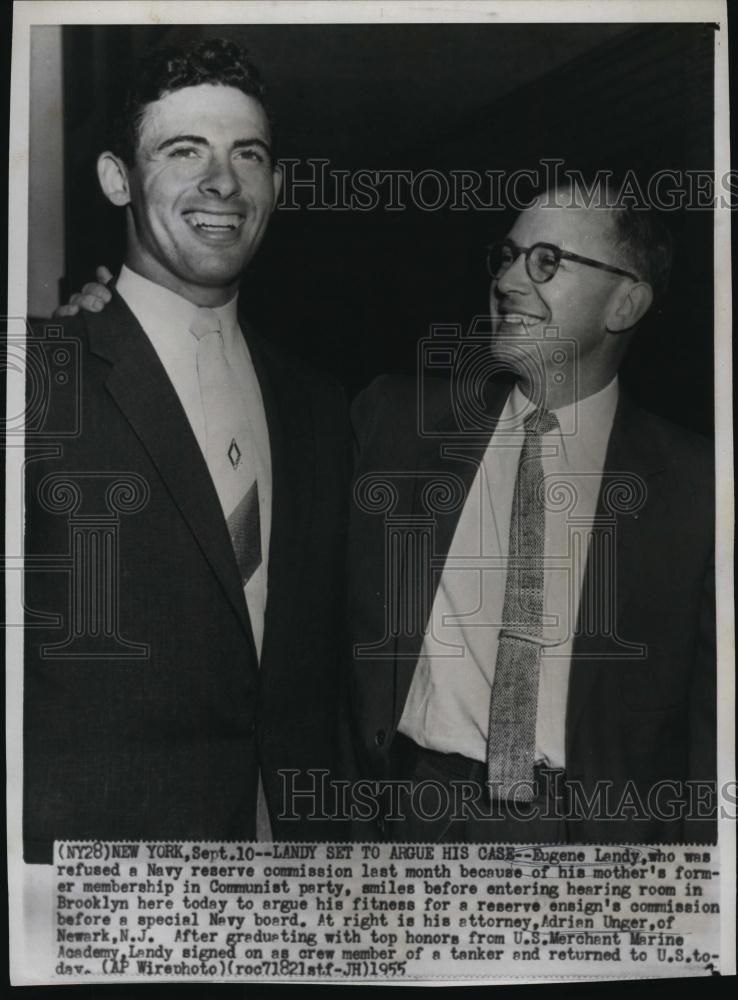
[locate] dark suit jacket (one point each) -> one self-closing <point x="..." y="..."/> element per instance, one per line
<point x="636" y="716"/>
<point x="145" y="711"/>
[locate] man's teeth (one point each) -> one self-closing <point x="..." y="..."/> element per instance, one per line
<point x="204" y="220"/>
<point x="517" y="318"/>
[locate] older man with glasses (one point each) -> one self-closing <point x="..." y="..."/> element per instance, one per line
<point x="533" y="615"/>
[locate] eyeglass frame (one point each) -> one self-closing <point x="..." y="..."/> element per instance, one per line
<point x="558" y="253"/>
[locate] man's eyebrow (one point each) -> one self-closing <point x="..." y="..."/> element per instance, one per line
<point x="247" y="143"/>
<point x="197" y="139"/>
<point x="535" y="243"/>
<point x="200" y="140"/>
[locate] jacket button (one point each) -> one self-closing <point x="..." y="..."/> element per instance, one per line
<point x="380" y="737"/>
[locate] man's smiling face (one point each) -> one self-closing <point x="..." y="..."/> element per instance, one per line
<point x="201" y="191"/>
<point x="575" y="302"/>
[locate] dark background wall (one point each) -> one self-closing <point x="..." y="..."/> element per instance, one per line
<point x="354" y="292"/>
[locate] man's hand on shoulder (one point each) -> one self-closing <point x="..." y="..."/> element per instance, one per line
<point x="93" y="297"/>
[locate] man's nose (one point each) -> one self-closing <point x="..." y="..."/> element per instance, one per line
<point x="514" y="279"/>
<point x="221" y="178"/>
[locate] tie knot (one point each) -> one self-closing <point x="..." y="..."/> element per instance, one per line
<point x="205" y="322"/>
<point x="540" y="421"/>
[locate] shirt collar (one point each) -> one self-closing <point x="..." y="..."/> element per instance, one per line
<point x="584" y="425"/>
<point x="159" y="309"/>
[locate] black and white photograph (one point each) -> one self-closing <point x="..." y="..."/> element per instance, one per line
<point x="369" y="493"/>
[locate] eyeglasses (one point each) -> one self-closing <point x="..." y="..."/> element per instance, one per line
<point x="541" y="261"/>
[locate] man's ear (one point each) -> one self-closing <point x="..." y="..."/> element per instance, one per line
<point x="113" y="177"/>
<point x="629" y="306"/>
<point x="277" y="181"/>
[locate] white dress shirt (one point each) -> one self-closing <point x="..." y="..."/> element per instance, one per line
<point x="165" y="318"/>
<point x="447" y="708"/>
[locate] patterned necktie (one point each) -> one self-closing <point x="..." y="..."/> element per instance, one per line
<point x="514" y="701"/>
<point x="228" y="443"/>
<point x="229" y="457"/>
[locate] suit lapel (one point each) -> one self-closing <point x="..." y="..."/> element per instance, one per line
<point x="140" y="387"/>
<point x="628" y="502"/>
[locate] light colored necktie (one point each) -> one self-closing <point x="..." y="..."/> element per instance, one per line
<point x="228" y="436"/>
<point x="514" y="701"/>
<point x="229" y="455"/>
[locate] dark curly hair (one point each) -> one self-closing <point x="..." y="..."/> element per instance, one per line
<point x="216" y="60"/>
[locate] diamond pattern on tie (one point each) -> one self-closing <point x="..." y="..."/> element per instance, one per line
<point x="514" y="699"/>
<point x="234" y="453"/>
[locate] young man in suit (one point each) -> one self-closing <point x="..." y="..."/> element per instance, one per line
<point x="532" y="592"/>
<point x="185" y="548"/>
